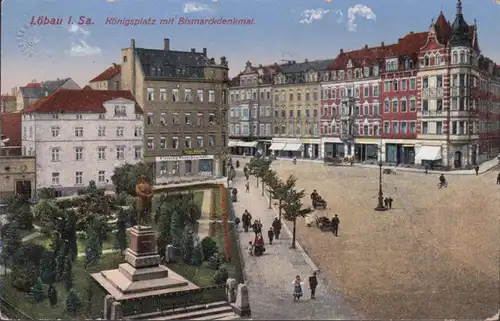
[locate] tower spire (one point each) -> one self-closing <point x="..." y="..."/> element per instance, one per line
<point x="459" y="7"/>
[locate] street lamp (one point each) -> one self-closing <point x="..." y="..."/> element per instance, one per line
<point x="380" y="205"/>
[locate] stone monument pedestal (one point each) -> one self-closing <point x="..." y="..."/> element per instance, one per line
<point x="141" y="275"/>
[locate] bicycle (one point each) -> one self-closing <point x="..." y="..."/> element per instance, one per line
<point x="441" y="185"/>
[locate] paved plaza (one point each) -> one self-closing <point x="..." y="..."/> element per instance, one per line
<point x="270" y="276"/>
<point x="434" y="255"/>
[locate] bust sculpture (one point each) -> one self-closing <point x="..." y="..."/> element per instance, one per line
<point x="143" y="200"/>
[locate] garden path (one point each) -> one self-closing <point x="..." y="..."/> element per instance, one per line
<point x="204" y="221"/>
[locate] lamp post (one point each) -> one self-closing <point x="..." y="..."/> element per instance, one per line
<point x="380" y="205"/>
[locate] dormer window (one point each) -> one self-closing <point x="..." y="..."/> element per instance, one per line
<point x="357" y="73"/>
<point x="455" y="57"/>
<point x="349" y="74"/>
<point x="462" y="57"/>
<point x="325" y="76"/>
<point x="426" y="61"/>
<point x="375" y="71"/>
<point x="333" y="75"/>
<point x="367" y="71"/>
<point x="438" y="59"/>
<point x="407" y="63"/>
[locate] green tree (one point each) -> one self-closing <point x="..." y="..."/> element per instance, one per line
<point x="121" y="231"/>
<point x="11" y="242"/>
<point x="52" y="295"/>
<point x="46" y="193"/>
<point x="37" y="292"/>
<point x="47" y="264"/>
<point x="187" y="244"/>
<point x="67" y="276"/>
<point x="259" y="167"/>
<point x="176" y="229"/>
<point x="22" y="215"/>
<point x="221" y="275"/>
<point x="209" y="247"/>
<point x="69" y="233"/>
<point x="280" y="189"/>
<point x="198" y="257"/>
<point x="93" y="247"/>
<point x="25" y="266"/>
<point x="127" y="176"/>
<point x="46" y="212"/>
<point x="164" y="227"/>
<point x="62" y="253"/>
<point x="89" y="295"/>
<point x="72" y="302"/>
<point x="216" y="260"/>
<point x="271" y="179"/>
<point x="293" y="209"/>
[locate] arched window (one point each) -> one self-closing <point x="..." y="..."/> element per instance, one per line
<point x="334" y="111"/>
<point x="462" y="57"/>
<point x="407" y="63"/>
<point x="426" y="60"/>
<point x="455" y="57"/>
<point x="438" y="59"/>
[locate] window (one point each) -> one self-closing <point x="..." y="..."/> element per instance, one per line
<point x="163" y="94"/>
<point x="439" y="107"/>
<point x="404" y="127"/>
<point x="55" y="131"/>
<point x="175" y="118"/>
<point x="426" y="60"/>
<point x="211" y="140"/>
<point x="395" y="127"/>
<point x="188" y="97"/>
<point x="137" y="131"/>
<point x="413" y="127"/>
<point x="386" y="86"/>
<point x="387" y="106"/>
<point x="413" y="83"/>
<point x="199" y="141"/>
<point x="55" y="154"/>
<point x="199" y="95"/>
<point x="119" y="131"/>
<point x="387" y="128"/>
<point x="150" y="119"/>
<point x="425" y="106"/>
<point x="211" y="96"/>
<point x="413" y="104"/>
<point x="395" y="85"/>
<point x="137" y="152"/>
<point x="187" y="142"/>
<point x="211" y="118"/>
<point x="376" y="111"/>
<point x="439" y="128"/>
<point x="376" y="91"/>
<point x="163" y="142"/>
<point x="439" y="81"/>
<point x="175" y="95"/>
<point x="403" y="105"/>
<point x="376" y="130"/>
<point x="366" y="90"/>
<point x="151" y="142"/>
<point x="150" y="94"/>
<point x="79" y="116"/>
<point x="425" y="128"/>
<point x="175" y="142"/>
<point x="78" y="178"/>
<point x="199" y="119"/>
<point x="120" y="152"/>
<point x="366" y="112"/>
<point x="101" y="131"/>
<point x="55" y="178"/>
<point x="79" y="131"/>
<point x="102" y="116"/>
<point x="55" y="116"/>
<point x="462" y="57"/>
<point x="366" y="71"/>
<point x="101" y="153"/>
<point x="78" y="153"/>
<point x="187" y="118"/>
<point x="438" y="59"/>
<point x="394" y="105"/>
<point x="425" y="82"/>
<point x="315" y="95"/>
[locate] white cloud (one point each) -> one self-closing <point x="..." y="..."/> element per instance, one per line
<point x="83" y="49"/>
<point x="195" y="7"/>
<point x="309" y="15"/>
<point x="359" y="10"/>
<point x="76" y="29"/>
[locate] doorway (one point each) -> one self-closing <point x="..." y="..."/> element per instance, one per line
<point x="23" y="188"/>
<point x="457" y="159"/>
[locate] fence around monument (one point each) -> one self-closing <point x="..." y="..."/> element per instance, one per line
<point x="237" y="258"/>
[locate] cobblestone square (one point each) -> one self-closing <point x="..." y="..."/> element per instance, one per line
<point x="436" y="254"/>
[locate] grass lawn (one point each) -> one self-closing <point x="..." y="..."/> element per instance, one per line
<point x="81" y="278"/>
<point x="202" y="276"/>
<point x="45" y="241"/>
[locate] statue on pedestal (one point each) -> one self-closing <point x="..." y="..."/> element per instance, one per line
<point x="143" y="201"/>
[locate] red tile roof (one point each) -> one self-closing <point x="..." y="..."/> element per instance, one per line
<point x="34" y="85"/>
<point x="87" y="88"/>
<point x="8" y="98"/>
<point x="108" y="73"/>
<point x="368" y="55"/>
<point x="11" y="128"/>
<point x="410" y="44"/>
<point x="79" y="101"/>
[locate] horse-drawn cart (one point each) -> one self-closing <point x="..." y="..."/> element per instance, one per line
<point x="324" y="223"/>
<point x="319" y="202"/>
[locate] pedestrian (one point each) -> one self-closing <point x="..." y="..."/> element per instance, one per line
<point x="247" y="187"/>
<point x="335" y="225"/>
<point x="270" y="235"/>
<point x="247" y="220"/>
<point x="498" y="179"/>
<point x="476" y="168"/>
<point x="237" y="222"/>
<point x="389" y="202"/>
<point x="313" y="283"/>
<point x="276" y="228"/>
<point x="386" y="202"/>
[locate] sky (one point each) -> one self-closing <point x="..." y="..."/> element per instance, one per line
<point x="281" y="30"/>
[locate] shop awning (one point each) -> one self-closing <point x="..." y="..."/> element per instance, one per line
<point x="247" y="144"/>
<point x="277" y="146"/>
<point x="232" y="143"/>
<point x="429" y="153"/>
<point x="292" y="147"/>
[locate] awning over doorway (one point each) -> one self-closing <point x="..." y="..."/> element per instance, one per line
<point x="232" y="143"/>
<point x="429" y="153"/>
<point x="240" y="143"/>
<point x="277" y="146"/>
<point x="292" y="147"/>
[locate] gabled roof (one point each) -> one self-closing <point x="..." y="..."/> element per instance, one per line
<point x="410" y="44"/>
<point x="32" y="92"/>
<point x="108" y="73"/>
<point x="33" y="85"/>
<point x="170" y="61"/>
<point x="8" y="98"/>
<point x="40" y="90"/>
<point x="11" y="128"/>
<point x="268" y="74"/>
<point x="51" y="85"/>
<point x="370" y="55"/>
<point x="79" y="101"/>
<point x="294" y="67"/>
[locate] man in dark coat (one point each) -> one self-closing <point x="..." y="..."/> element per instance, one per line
<point x="313" y="283"/>
<point x="270" y="235"/>
<point x="389" y="202"/>
<point x="498" y="179"/>
<point x="276" y="228"/>
<point x="476" y="168"/>
<point x="335" y="225"/>
<point x="246" y="218"/>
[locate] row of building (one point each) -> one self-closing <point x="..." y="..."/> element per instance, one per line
<point x="430" y="97"/>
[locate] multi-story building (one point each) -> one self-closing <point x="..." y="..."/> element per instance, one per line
<point x="399" y="100"/>
<point x="7" y="104"/>
<point x="350" y="116"/>
<point x="184" y="96"/>
<point x="296" y="102"/>
<point x="34" y="91"/>
<point x="80" y="135"/>
<point x="109" y="79"/>
<point x="250" y="110"/>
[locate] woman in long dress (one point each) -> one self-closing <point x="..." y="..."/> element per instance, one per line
<point x="297" y="288"/>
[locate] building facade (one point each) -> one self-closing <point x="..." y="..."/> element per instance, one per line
<point x="7" y="104"/>
<point x="109" y="79"/>
<point x="77" y="137"/>
<point x="250" y="110"/>
<point x="297" y="103"/>
<point x="184" y="96"/>
<point x="34" y="91"/>
<point x="17" y="177"/>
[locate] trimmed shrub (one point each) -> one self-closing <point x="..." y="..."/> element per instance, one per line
<point x="209" y="247"/>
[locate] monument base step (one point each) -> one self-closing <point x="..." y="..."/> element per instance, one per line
<point x="221" y="310"/>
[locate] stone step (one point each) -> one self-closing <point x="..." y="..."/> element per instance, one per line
<point x="220" y="316"/>
<point x="197" y="314"/>
<point x="180" y="310"/>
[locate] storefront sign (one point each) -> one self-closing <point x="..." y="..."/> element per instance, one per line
<point x="194" y="151"/>
<point x="182" y="158"/>
<point x="367" y="140"/>
<point x="310" y="141"/>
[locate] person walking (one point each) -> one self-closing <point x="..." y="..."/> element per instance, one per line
<point x="276" y="228"/>
<point x="389" y="202"/>
<point x="247" y="187"/>
<point x="386" y="202"/>
<point x="313" y="283"/>
<point x="476" y="168"/>
<point x="498" y="179"/>
<point x="270" y="235"/>
<point x="335" y="225"/>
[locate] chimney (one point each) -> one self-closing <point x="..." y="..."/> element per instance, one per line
<point x="341" y="51"/>
<point x="193" y="50"/>
<point x="366" y="47"/>
<point x="166" y="44"/>
<point x="205" y="52"/>
<point x="382" y="44"/>
<point x="132" y="43"/>
<point x="223" y="61"/>
<point x="114" y="65"/>
<point x="305" y="60"/>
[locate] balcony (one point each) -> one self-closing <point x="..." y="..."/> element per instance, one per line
<point x="432" y="93"/>
<point x="433" y="113"/>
